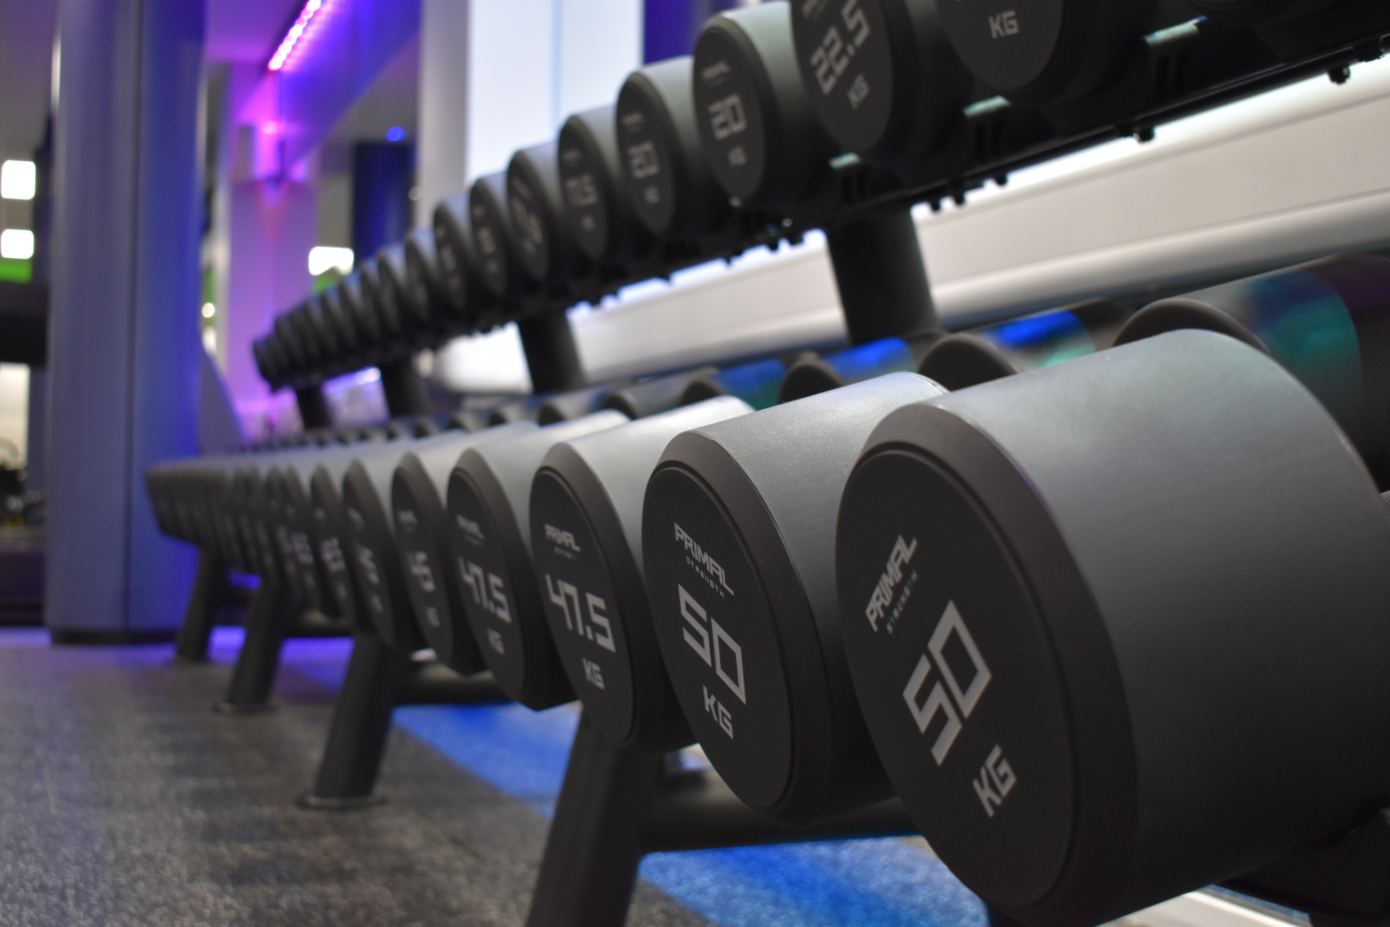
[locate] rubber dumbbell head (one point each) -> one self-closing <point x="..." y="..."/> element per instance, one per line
<point x="738" y="550"/>
<point x="1327" y="322"/>
<point x="373" y="557"/>
<point x="1073" y="601"/>
<point x="339" y="319"/>
<point x="668" y="182"/>
<point x="813" y="375"/>
<point x="968" y="358"/>
<point x="756" y="384"/>
<point x="494" y="240"/>
<point x="363" y="315"/>
<point x="881" y="75"/>
<point x="489" y="497"/>
<point x="459" y="265"/>
<point x="435" y="579"/>
<point x="762" y="140"/>
<point x="600" y="216"/>
<point x="333" y="545"/>
<point x="536" y="202"/>
<point x="1048" y="51"/>
<point x="398" y="303"/>
<point x="654" y="396"/>
<point x="586" y="537"/>
<point x="428" y="293"/>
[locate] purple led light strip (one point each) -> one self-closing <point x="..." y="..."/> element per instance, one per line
<point x="291" y="39"/>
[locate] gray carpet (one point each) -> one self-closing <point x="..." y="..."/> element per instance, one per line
<point x="124" y="800"/>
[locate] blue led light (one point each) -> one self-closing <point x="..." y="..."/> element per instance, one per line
<point x="395" y="134"/>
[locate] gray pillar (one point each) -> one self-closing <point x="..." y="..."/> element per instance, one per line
<point x="123" y="371"/>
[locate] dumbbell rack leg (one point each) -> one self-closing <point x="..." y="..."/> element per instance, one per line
<point x="266" y="621"/>
<point x="617" y="805"/>
<point x="192" y="643"/>
<point x="361" y="721"/>
<point x="378" y="679"/>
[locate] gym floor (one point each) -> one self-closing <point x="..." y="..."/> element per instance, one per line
<point x="125" y="800"/>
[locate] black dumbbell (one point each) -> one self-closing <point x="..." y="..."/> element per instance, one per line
<point x="315" y="345"/>
<point x="428" y="295"/>
<point x="494" y="239"/>
<point x="601" y="216"/>
<point x="586" y="540"/>
<point x="1050" y="51"/>
<point x="379" y="290"/>
<point x="289" y="341"/>
<point x="324" y="328"/>
<point x="668" y="183"/>
<point x="332" y="542"/>
<point x="459" y="264"/>
<point x="418" y="492"/>
<point x="339" y="319"/>
<point x="881" y="75"/>
<point x="488" y="501"/>
<point x="757" y="383"/>
<point x="365" y="320"/>
<point x="547" y="250"/>
<point x="738" y="551"/>
<point x="372" y="556"/>
<point x="398" y="300"/>
<point x="1115" y="625"/>
<point x="1006" y="348"/>
<point x="655" y="395"/>
<point x="1327" y="322"/>
<point x="813" y="375"/>
<point x="762" y="140"/>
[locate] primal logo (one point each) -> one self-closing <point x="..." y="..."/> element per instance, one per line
<point x="702" y="557"/>
<point x="561" y="538"/>
<point x="888" y="583"/>
<point x="471" y="529"/>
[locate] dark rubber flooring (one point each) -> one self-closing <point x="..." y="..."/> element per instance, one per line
<point x="125" y="800"/>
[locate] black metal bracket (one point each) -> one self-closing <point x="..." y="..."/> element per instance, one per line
<point x="617" y="805"/>
<point x="378" y="679"/>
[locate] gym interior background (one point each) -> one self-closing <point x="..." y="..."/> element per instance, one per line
<point x="359" y="357"/>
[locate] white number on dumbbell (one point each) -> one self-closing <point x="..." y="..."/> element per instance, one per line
<point x="489" y="592"/>
<point x="923" y="713"/>
<point x="711" y="649"/>
<point x="563" y="593"/>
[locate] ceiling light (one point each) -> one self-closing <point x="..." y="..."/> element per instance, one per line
<point x="18" y="180"/>
<point x="17" y="244"/>
<point x="291" y="39"/>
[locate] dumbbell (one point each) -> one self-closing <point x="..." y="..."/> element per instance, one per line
<point x="881" y="75"/>
<point x="967" y="358"/>
<point x="668" y="183"/>
<point x="329" y="532"/>
<point x="459" y="263"/>
<point x="288" y="340"/>
<point x="355" y="304"/>
<point x="761" y="138"/>
<point x="813" y="374"/>
<point x="488" y="498"/>
<point x="398" y="304"/>
<point x="1116" y="625"/>
<point x="1049" y="52"/>
<point x="756" y="383"/>
<point x="547" y="251"/>
<point x="338" y="317"/>
<point x="419" y="488"/>
<point x="428" y="295"/>
<point x="494" y="238"/>
<point x="1326" y="321"/>
<point x="320" y="567"/>
<point x="372" y="554"/>
<point x="601" y="217"/>
<point x="655" y="395"/>
<point x="324" y="328"/>
<point x="586" y="541"/>
<point x="380" y="274"/>
<point x="315" y="348"/>
<point x="737" y="545"/>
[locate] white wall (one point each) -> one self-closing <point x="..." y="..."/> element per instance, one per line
<point x="498" y="75"/>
